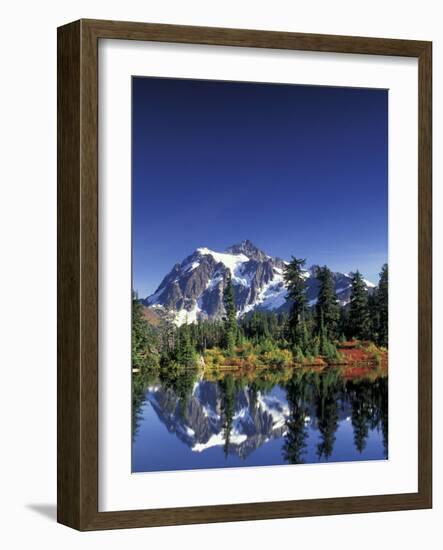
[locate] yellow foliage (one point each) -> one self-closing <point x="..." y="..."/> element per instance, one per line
<point x="214" y="357"/>
<point x="277" y="358"/>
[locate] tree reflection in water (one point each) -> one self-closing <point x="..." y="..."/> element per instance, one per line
<point x="294" y="444"/>
<point x="239" y="412"/>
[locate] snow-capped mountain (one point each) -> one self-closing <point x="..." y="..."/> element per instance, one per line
<point x="257" y="417"/>
<point x="200" y="424"/>
<point x="193" y="289"/>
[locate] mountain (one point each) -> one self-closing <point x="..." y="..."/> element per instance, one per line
<point x="193" y="289"/>
<point x="200" y="424"/>
<point x="257" y="416"/>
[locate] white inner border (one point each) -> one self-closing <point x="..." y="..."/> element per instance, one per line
<point x="118" y="488"/>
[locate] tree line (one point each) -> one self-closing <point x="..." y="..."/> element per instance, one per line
<point x="322" y="395"/>
<point x="317" y="329"/>
<point x="307" y="331"/>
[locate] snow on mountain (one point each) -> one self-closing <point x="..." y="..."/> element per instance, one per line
<point x="272" y="295"/>
<point x="233" y="262"/>
<point x="201" y="424"/>
<point x="193" y="289"/>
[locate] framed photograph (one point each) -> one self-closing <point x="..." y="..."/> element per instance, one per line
<point x="244" y="275"/>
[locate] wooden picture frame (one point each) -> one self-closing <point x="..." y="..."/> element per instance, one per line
<point x="78" y="274"/>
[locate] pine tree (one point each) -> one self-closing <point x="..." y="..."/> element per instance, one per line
<point x="230" y="320"/>
<point x="382" y="306"/>
<point x="295" y="438"/>
<point x="359" y="321"/>
<point x="304" y="337"/>
<point x="240" y="339"/>
<point x="343" y="323"/>
<point x="228" y="405"/>
<point x="144" y="344"/>
<point x="325" y="346"/>
<point x="374" y="315"/>
<point x="327" y="308"/>
<point x="168" y="334"/>
<point x="362" y="409"/>
<point x="295" y="283"/>
<point x="185" y="352"/>
<point x="298" y="355"/>
<point x="273" y="325"/>
<point x="327" y="413"/>
<point x="323" y="339"/>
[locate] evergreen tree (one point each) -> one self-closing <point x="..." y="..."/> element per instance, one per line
<point x="144" y="345"/>
<point x="185" y="352"/>
<point x="240" y="340"/>
<point x="227" y="386"/>
<point x="304" y="337"/>
<point x="298" y="354"/>
<point x="295" y="283"/>
<point x="183" y="384"/>
<point x="273" y="326"/>
<point x="294" y="446"/>
<point x="359" y="321"/>
<point x="327" y="308"/>
<point x="374" y="315"/>
<point x="168" y="335"/>
<point x="327" y="412"/>
<point x="362" y="407"/>
<point x="343" y="323"/>
<point x="382" y="306"/>
<point x="325" y="346"/>
<point x="231" y="318"/>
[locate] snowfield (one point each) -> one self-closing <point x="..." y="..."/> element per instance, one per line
<point x="234" y="262"/>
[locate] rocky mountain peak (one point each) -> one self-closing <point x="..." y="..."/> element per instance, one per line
<point x="249" y="249"/>
<point x="193" y="289"/>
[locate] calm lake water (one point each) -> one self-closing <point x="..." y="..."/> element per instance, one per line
<point x="183" y="421"/>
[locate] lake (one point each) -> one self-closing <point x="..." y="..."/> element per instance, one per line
<point x="184" y="420"/>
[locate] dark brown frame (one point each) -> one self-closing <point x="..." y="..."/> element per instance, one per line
<point x="77" y="455"/>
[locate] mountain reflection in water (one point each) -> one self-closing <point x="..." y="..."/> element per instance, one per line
<point x="182" y="420"/>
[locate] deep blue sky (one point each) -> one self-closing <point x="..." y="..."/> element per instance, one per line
<point x="298" y="170"/>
